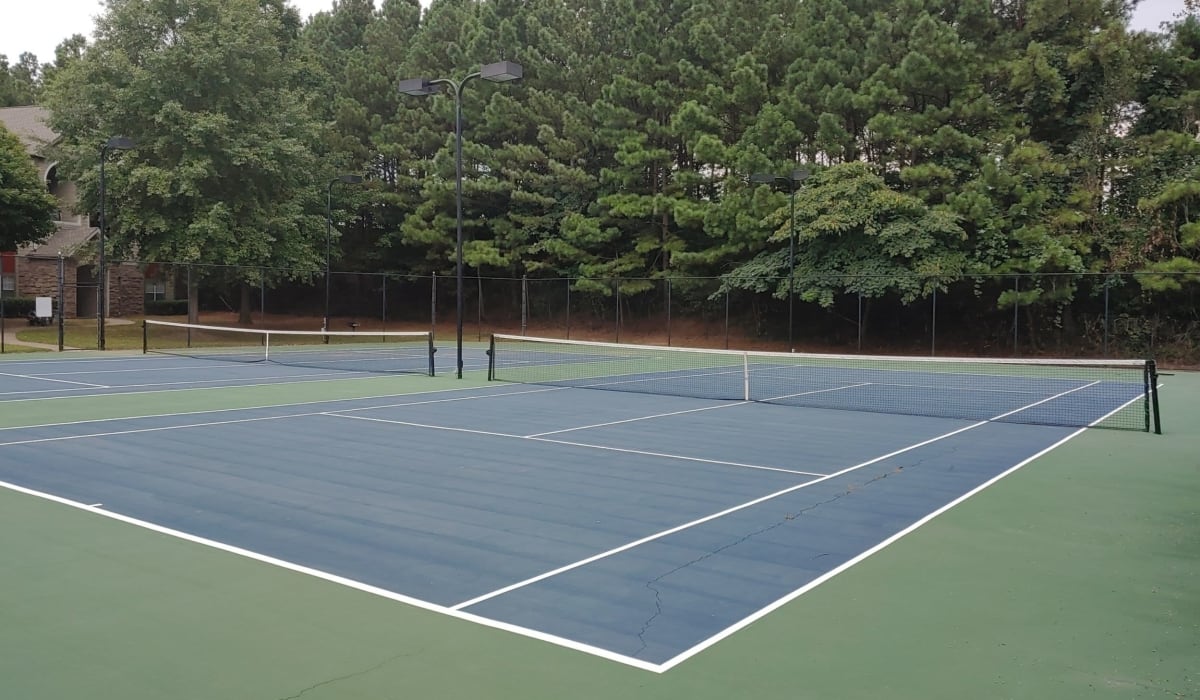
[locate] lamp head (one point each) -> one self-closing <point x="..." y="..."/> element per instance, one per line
<point x="502" y="72"/>
<point x="418" y="87"/>
<point x="120" y="143"/>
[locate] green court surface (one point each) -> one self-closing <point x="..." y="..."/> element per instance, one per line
<point x="1074" y="577"/>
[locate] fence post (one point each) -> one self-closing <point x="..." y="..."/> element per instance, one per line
<point x="617" y="296"/>
<point x="262" y="296"/>
<point x="479" y="307"/>
<point x="524" y="304"/>
<point x="668" y="312"/>
<point x="726" y="319"/>
<point x="433" y="304"/>
<point x="62" y="284"/>
<point x="1016" y="310"/>
<point x="383" y="303"/>
<point x="1107" y="279"/>
<point x="568" y="308"/>
<point x="933" y="326"/>
<point x="860" y="324"/>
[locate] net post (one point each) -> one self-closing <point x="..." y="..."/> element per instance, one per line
<point x="1152" y="388"/>
<point x="145" y="337"/>
<point x="267" y="345"/>
<point x="746" y="376"/>
<point x="491" y="353"/>
<point x="432" y="350"/>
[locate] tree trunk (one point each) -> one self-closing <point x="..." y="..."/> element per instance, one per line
<point x="244" y="315"/>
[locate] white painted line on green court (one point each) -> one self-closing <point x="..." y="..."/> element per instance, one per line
<point x="782" y="492"/>
<point x="763" y="612"/>
<point x="342" y="580"/>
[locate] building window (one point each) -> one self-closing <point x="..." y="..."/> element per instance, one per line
<point x="8" y="285"/>
<point x="155" y="291"/>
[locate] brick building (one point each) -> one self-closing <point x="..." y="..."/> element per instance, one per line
<point x="32" y="271"/>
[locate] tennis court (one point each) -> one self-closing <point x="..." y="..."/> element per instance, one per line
<point x="643" y="528"/>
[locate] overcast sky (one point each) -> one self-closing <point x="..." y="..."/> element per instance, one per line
<point x="41" y="25"/>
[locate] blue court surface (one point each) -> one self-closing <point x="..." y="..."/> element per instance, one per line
<point x="641" y="528"/>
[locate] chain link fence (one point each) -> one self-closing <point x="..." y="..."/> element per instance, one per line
<point x="1068" y="315"/>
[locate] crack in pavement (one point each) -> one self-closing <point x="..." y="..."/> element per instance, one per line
<point x="355" y="674"/>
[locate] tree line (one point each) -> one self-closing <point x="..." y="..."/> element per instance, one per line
<point x="942" y="139"/>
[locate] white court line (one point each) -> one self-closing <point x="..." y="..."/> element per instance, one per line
<point x="341" y="580"/>
<point x="817" y="391"/>
<point x="645" y="453"/>
<point x="690" y="410"/>
<point x="763" y="612"/>
<point x="240" y="420"/>
<point x="453" y="612"/>
<point x="49" y="379"/>
<point x="215" y="384"/>
<point x="634" y="420"/>
<point x="678" y="528"/>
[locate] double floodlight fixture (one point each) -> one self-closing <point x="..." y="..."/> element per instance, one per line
<point x="499" y="72"/>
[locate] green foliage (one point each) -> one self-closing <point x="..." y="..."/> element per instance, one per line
<point x="27" y="210"/>
<point x="210" y="90"/>
<point x="855" y="235"/>
<point x="951" y="138"/>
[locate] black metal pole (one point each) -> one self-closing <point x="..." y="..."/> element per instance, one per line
<point x="933" y="328"/>
<point x="61" y="301"/>
<point x="458" y="186"/>
<point x="328" y="233"/>
<point x="1106" y="281"/>
<point x="668" y="312"/>
<point x="101" y="287"/>
<point x="792" y="271"/>
<point x="1016" y="309"/>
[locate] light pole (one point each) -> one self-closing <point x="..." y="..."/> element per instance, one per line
<point x="502" y="72"/>
<point x="115" y="143"/>
<point x="349" y="180"/>
<point x="793" y="181"/>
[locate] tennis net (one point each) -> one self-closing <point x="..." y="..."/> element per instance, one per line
<point x="1073" y="393"/>
<point x="367" y="351"/>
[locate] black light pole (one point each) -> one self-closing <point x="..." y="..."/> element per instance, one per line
<point x="349" y="180"/>
<point x="116" y="143"/>
<point x="793" y="181"/>
<point x="502" y="72"/>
